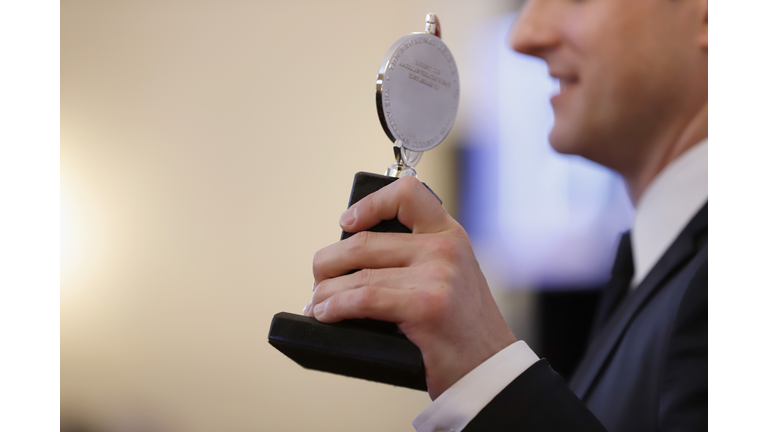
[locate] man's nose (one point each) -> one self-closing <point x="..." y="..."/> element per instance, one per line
<point x="534" y="31"/>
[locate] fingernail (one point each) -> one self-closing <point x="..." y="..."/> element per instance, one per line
<point x="320" y="308"/>
<point x="307" y="308"/>
<point x="348" y="217"/>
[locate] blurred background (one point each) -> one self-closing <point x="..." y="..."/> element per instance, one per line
<point x="207" y="151"/>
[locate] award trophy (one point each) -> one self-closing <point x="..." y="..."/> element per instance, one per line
<point x="417" y="97"/>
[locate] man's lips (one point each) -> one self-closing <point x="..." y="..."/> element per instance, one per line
<point x="567" y="82"/>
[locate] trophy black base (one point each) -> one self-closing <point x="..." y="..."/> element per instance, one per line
<point x="367" y="349"/>
<point x="354" y="348"/>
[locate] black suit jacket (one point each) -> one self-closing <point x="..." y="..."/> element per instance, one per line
<point x="645" y="368"/>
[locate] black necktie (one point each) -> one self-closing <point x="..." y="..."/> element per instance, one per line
<point x="618" y="286"/>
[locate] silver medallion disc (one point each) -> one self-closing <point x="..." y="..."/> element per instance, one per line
<point x="417" y="91"/>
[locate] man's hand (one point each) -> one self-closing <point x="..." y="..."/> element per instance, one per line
<point x="428" y="283"/>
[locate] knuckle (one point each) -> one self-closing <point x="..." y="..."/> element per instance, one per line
<point x="437" y="272"/>
<point x="331" y="306"/>
<point x="434" y="302"/>
<point x="368" y="204"/>
<point x="366" y="299"/>
<point x="406" y="187"/>
<point x="440" y="273"/>
<point x="363" y="278"/>
<point x="446" y="248"/>
<point x="433" y="271"/>
<point x="360" y="241"/>
<point x="409" y="182"/>
<point x="317" y="265"/>
<point x="320" y="292"/>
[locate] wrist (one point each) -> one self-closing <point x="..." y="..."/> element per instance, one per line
<point x="448" y="370"/>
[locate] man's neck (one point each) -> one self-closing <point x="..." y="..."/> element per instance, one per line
<point x="667" y="149"/>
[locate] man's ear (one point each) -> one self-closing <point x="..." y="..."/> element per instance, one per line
<point x="704" y="35"/>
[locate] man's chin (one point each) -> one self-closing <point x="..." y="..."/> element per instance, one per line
<point x="577" y="142"/>
<point x="563" y="141"/>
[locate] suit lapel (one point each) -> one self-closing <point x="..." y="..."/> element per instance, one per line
<point x="609" y="336"/>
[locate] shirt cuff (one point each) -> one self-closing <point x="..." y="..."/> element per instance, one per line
<point x="457" y="406"/>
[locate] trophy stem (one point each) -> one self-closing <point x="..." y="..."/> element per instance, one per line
<point x="402" y="167"/>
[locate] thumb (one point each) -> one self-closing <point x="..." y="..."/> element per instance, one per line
<point x="406" y="199"/>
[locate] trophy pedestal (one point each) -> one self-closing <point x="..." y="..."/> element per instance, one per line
<point x="367" y="349"/>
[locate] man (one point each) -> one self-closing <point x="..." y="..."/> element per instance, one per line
<point x="633" y="97"/>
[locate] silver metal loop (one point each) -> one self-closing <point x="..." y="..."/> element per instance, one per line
<point x="433" y="25"/>
<point x="411" y="157"/>
<point x="403" y="160"/>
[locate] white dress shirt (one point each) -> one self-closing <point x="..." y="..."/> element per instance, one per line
<point x="671" y="200"/>
<point x="665" y="208"/>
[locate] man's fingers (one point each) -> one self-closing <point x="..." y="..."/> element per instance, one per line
<point x="401" y="278"/>
<point x="407" y="200"/>
<point x="385" y="304"/>
<point x="364" y="250"/>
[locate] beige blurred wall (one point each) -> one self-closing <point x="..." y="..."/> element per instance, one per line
<point x="207" y="150"/>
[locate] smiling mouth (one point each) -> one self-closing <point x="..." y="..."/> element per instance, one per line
<point x="566" y="83"/>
